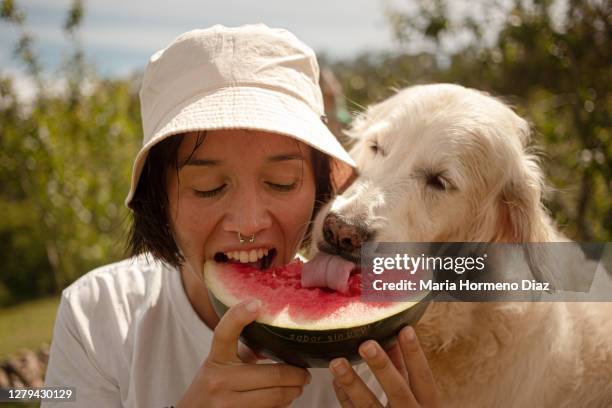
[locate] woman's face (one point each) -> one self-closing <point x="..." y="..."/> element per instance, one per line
<point x="244" y="181"/>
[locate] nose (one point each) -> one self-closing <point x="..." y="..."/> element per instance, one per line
<point x="248" y="214"/>
<point x="343" y="234"/>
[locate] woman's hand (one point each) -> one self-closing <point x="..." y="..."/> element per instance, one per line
<point x="224" y="380"/>
<point x="403" y="374"/>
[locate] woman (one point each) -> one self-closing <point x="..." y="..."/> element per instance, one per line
<point x="236" y="158"/>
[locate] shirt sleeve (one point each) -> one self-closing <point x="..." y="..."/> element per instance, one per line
<point x="73" y="364"/>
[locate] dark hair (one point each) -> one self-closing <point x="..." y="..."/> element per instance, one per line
<point x="150" y="231"/>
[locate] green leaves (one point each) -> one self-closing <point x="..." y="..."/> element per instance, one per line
<point x="65" y="166"/>
<point x="65" y="171"/>
<point x="9" y="12"/>
<point x="75" y="16"/>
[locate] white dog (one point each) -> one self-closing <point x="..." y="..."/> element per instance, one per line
<point x="446" y="163"/>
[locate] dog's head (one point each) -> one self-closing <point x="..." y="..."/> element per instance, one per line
<point x="437" y="163"/>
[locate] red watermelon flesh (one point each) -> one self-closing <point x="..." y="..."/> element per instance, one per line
<point x="280" y="289"/>
<point x="286" y="303"/>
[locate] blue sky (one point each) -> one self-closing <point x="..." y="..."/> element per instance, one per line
<point x="120" y="35"/>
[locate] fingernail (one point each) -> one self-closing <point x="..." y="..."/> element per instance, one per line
<point x="369" y="350"/>
<point x="253" y="305"/>
<point x="339" y="367"/>
<point x="408" y="333"/>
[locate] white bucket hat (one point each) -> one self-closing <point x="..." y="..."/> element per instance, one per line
<point x="250" y="77"/>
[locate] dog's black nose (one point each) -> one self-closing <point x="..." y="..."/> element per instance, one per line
<point x="343" y="234"/>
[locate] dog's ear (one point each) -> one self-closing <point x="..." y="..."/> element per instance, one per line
<point x="524" y="219"/>
<point x="522" y="215"/>
<point x="519" y="211"/>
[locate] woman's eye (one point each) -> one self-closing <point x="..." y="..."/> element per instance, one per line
<point x="209" y="193"/>
<point x="282" y="187"/>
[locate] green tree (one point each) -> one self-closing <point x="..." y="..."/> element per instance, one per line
<point x="64" y="169"/>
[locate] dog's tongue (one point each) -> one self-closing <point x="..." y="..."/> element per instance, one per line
<point x="329" y="271"/>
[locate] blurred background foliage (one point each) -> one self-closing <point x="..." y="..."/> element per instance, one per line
<point x="65" y="157"/>
<point x="65" y="165"/>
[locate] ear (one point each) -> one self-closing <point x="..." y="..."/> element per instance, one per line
<point x="522" y="215"/>
<point x="523" y="219"/>
<point x="519" y="211"/>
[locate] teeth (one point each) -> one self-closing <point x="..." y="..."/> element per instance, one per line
<point x="247" y="256"/>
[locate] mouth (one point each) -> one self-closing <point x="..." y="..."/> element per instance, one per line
<point x="352" y="256"/>
<point x="260" y="258"/>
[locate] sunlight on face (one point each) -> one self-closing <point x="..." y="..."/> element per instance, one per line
<point x="245" y="181"/>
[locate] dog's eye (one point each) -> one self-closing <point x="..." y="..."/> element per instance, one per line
<point x="375" y="148"/>
<point x="437" y="182"/>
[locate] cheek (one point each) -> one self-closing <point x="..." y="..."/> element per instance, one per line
<point x="421" y="215"/>
<point x="451" y="217"/>
<point x="317" y="227"/>
<point x="190" y="228"/>
<point x="294" y="215"/>
<point x="305" y="205"/>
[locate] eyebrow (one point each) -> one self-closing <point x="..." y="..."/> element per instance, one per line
<point x="272" y="159"/>
<point x="199" y="162"/>
<point x="285" y="157"/>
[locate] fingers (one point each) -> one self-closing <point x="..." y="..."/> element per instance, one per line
<point x="246" y="355"/>
<point x="421" y="379"/>
<point x="341" y="396"/>
<point x="353" y="386"/>
<point x="251" y="377"/>
<point x="266" y="397"/>
<point x="395" y="354"/>
<point x="224" y="348"/>
<point x="403" y="372"/>
<point x="391" y="380"/>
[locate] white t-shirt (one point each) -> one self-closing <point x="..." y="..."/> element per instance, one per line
<point x="126" y="336"/>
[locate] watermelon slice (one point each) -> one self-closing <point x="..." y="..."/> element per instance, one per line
<point x="307" y="327"/>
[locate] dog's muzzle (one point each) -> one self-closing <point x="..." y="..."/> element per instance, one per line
<point x="344" y="236"/>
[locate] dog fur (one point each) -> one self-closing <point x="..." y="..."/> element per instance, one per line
<point x="444" y="163"/>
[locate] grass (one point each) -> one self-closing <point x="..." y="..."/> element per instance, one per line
<point x="27" y="325"/>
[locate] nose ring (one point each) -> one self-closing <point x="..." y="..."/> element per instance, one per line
<point x="243" y="240"/>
